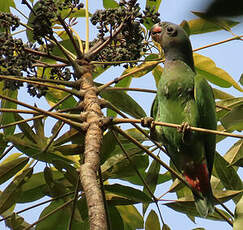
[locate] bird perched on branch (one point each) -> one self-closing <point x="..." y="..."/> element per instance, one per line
<point x="184" y="97"/>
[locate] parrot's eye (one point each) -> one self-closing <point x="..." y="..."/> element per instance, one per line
<point x="171" y="30"/>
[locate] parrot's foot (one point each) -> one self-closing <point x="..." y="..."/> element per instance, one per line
<point x="147" y="122"/>
<point x="184" y="128"/>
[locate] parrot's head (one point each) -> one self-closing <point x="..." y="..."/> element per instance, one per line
<point x="169" y="35"/>
<point x="174" y="41"/>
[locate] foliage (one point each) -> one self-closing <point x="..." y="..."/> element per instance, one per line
<point x="46" y="64"/>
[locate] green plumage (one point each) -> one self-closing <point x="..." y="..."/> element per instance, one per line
<point x="185" y="97"/>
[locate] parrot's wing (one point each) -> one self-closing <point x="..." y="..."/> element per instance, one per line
<point x="207" y="116"/>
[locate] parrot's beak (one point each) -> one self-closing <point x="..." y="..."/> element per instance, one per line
<point x="155" y="32"/>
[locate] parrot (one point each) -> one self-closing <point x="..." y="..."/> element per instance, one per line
<point x="185" y="98"/>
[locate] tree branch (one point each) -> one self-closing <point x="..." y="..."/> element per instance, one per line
<point x="124" y="120"/>
<point x="93" y="140"/>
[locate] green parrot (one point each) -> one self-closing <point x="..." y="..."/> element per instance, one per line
<point x="184" y="97"/>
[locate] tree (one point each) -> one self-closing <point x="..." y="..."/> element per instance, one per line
<point x="86" y="148"/>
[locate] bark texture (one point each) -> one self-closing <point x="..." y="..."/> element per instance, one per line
<point x="93" y="140"/>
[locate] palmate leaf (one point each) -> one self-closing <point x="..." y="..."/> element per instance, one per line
<point x="227" y="174"/>
<point x="151" y="180"/>
<point x="9" y="196"/>
<point x="233" y="120"/>
<point x="60" y="219"/>
<point x="152" y="221"/>
<point x="36" y="187"/>
<point x="208" y="69"/>
<point x="6" y="118"/>
<point x="116" y="191"/>
<point x="200" y="25"/>
<point x="235" y="154"/>
<point x="110" y="4"/>
<point x="238" y="221"/>
<point x="131" y="217"/>
<point x="6" y="4"/>
<point x="123" y="102"/>
<point x="10" y="168"/>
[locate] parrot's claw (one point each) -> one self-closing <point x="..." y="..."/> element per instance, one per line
<point x="147" y="122"/>
<point x="184" y="128"/>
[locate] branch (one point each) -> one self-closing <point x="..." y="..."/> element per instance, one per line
<point x="46" y="113"/>
<point x="127" y="75"/>
<point x="93" y="139"/>
<point x="36" y="82"/>
<point x="123" y="120"/>
<point x="79" y="54"/>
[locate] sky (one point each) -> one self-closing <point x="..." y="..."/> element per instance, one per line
<point x="227" y="56"/>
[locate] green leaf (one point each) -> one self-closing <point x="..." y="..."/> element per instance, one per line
<point x="10" y="168"/>
<point x="238" y="221"/>
<point x="153" y="4"/>
<point x="118" y="166"/>
<point x="165" y="227"/>
<point x="218" y="94"/>
<point x="124" y="102"/>
<point x="68" y="170"/>
<point x="110" y="4"/>
<point x="26" y="129"/>
<point x="188" y="207"/>
<point x="39" y="128"/>
<point x="229" y="103"/>
<point x="70" y="135"/>
<point x="151" y="180"/>
<point x="207" y="68"/>
<point x="71" y="149"/>
<point x="6" y="118"/>
<point x="200" y="25"/>
<point x="36" y="188"/>
<point x="6" y="4"/>
<point x="9" y="196"/>
<point x="234" y="119"/>
<point x="126" y="192"/>
<point x="115" y="218"/>
<point x="58" y="220"/>
<point x="152" y="222"/>
<point x="35" y="151"/>
<point x="157" y="72"/>
<point x="131" y="217"/>
<point x="3" y="143"/>
<point x="226" y="173"/>
<point x="241" y="79"/>
<point x="144" y="68"/>
<point x="235" y="154"/>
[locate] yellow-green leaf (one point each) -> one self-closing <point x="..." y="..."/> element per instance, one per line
<point x="238" y="222"/>
<point x="10" y="168"/>
<point x="152" y="222"/>
<point x="6" y="4"/>
<point x="201" y="25"/>
<point x="208" y="69"/>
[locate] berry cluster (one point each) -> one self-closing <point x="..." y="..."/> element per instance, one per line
<point x="14" y="59"/>
<point x="129" y="42"/>
<point x="61" y="74"/>
<point x="7" y="21"/>
<point x="150" y="15"/>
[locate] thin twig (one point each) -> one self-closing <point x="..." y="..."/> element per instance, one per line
<point x="124" y="120"/>
<point x="224" y="217"/>
<point x="37" y="205"/>
<point x="74" y="124"/>
<point x="50" y="213"/>
<point x="79" y="54"/>
<point x="71" y="91"/>
<point x="74" y="204"/>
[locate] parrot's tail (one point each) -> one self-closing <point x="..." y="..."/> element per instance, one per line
<point x="204" y="205"/>
<point x="199" y="179"/>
